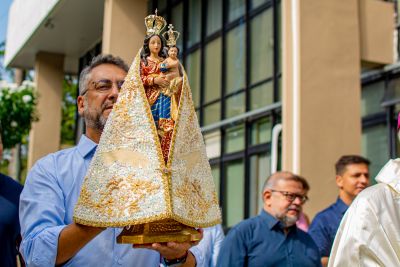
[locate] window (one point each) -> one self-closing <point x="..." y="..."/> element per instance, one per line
<point x="375" y="147"/>
<point x="237" y="9"/>
<point x="235" y="59"/>
<point x="262" y="47"/>
<point x="234" y="193"/>
<point x="193" y="73"/>
<point x="371" y="97"/>
<point x="214" y="18"/>
<point x="212" y="113"/>
<point x="261" y="95"/>
<point x="234" y="139"/>
<point x="194" y="22"/>
<point x="212" y="75"/>
<point x="177" y="21"/>
<point x="235" y="105"/>
<point x="260" y="169"/>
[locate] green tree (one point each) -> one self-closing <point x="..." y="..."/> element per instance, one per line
<point x="2" y="48"/>
<point x="17" y="112"/>
<point x="68" y="111"/>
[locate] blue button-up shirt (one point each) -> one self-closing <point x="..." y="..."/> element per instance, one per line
<point x="261" y="241"/>
<point x="9" y="224"/>
<point x="325" y="225"/>
<point x="47" y="204"/>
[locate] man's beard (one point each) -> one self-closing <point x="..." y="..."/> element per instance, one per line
<point x="94" y="117"/>
<point x="287" y="220"/>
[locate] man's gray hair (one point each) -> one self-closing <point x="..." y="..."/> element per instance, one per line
<point x="284" y="175"/>
<point x="96" y="61"/>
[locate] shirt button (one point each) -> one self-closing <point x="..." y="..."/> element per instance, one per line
<point x="120" y="261"/>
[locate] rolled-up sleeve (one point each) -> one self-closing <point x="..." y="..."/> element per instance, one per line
<point x="41" y="212"/>
<point x="206" y="252"/>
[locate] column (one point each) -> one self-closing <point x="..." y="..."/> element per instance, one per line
<point x="44" y="137"/>
<point x="321" y="92"/>
<point x="123" y="28"/>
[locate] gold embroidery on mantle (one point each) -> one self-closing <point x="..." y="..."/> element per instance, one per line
<point x="121" y="196"/>
<point x="191" y="193"/>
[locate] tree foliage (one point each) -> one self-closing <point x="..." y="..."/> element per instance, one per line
<point x="17" y="112"/>
<point x="68" y="110"/>
<point x="2" y="48"/>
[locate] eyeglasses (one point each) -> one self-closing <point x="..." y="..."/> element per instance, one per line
<point x="104" y="86"/>
<point x="291" y="196"/>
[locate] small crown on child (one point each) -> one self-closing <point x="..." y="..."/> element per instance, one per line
<point x="154" y="24"/>
<point x="171" y="36"/>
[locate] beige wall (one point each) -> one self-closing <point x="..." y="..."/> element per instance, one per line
<point x="45" y="134"/>
<point x="123" y="28"/>
<point x="321" y="92"/>
<point x="377" y="24"/>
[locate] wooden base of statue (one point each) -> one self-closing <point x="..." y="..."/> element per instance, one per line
<point x="158" y="232"/>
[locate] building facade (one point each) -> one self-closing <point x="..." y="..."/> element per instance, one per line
<point x="277" y="84"/>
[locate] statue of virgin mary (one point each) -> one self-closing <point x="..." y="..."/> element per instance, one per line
<point x="150" y="173"/>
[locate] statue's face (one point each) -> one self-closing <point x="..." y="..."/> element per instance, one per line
<point x="173" y="52"/>
<point x="155" y="44"/>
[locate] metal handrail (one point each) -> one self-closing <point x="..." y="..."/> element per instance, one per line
<point x="276" y="131"/>
<point x="240" y="118"/>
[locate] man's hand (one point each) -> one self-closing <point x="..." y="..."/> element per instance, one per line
<point x="174" y="250"/>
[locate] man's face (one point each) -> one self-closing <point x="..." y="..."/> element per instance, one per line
<point x="354" y="179"/>
<point x="280" y="206"/>
<point x="102" y="92"/>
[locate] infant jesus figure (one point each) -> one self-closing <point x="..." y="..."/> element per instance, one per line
<point x="171" y="71"/>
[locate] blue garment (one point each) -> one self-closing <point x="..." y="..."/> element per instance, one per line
<point x="161" y="109"/>
<point x="261" y="241"/>
<point x="47" y="204"/>
<point x="325" y="225"/>
<point x="9" y="223"/>
<point x="210" y="245"/>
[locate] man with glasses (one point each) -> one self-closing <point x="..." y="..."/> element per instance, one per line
<point x="50" y="237"/>
<point x="272" y="238"/>
<point x="352" y="176"/>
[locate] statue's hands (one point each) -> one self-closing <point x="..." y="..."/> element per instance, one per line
<point x="161" y="82"/>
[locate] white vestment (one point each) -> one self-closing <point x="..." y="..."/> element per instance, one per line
<point x="369" y="234"/>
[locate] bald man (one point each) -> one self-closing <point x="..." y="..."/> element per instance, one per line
<point x="272" y="238"/>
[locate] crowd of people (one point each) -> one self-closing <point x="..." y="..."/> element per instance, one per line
<point x="50" y="236"/>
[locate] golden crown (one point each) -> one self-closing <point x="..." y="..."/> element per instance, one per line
<point x="171" y="36"/>
<point x="154" y="24"/>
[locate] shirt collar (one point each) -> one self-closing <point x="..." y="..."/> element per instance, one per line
<point x="340" y="206"/>
<point x="272" y="222"/>
<point x="86" y="146"/>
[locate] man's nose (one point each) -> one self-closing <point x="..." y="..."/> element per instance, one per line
<point x="297" y="201"/>
<point x="364" y="178"/>
<point x="114" y="91"/>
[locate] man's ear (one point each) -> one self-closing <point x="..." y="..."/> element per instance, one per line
<point x="339" y="181"/>
<point x="267" y="196"/>
<point x="80" y="104"/>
